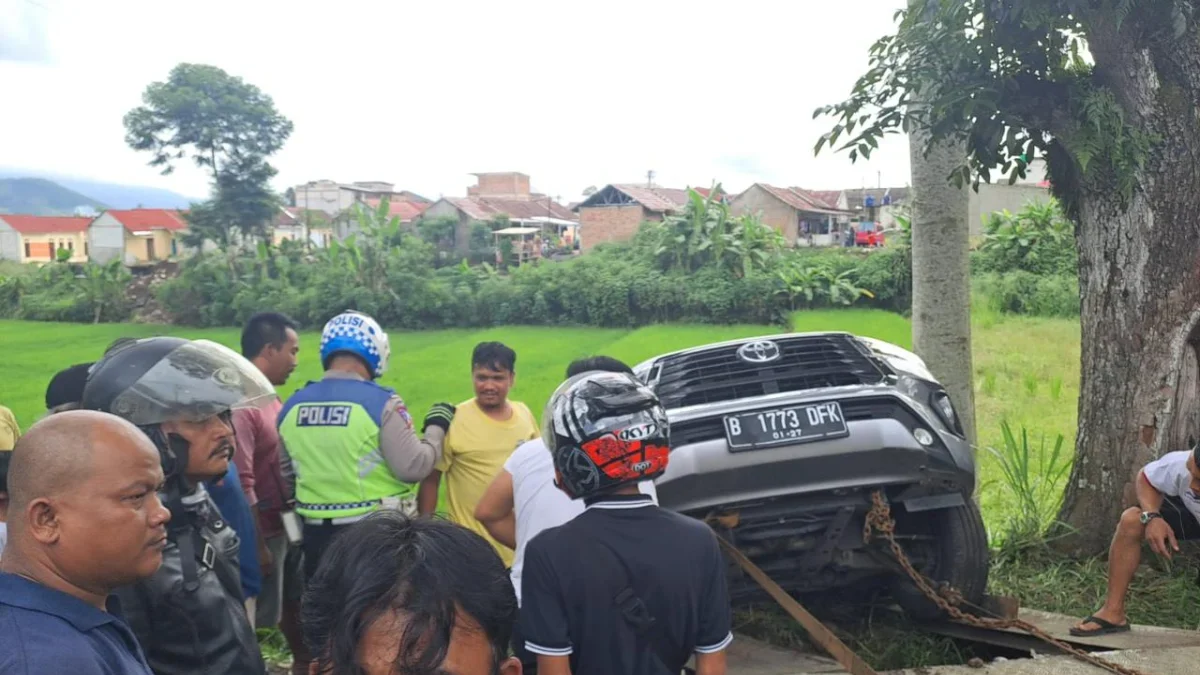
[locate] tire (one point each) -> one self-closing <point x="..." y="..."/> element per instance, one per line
<point x="960" y="558"/>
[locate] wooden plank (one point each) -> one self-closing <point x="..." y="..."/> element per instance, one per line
<point x="747" y="656"/>
<point x="822" y="636"/>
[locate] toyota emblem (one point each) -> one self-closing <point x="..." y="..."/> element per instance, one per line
<point x="761" y="351"/>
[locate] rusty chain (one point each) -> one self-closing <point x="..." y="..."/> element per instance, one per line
<point x="879" y="519"/>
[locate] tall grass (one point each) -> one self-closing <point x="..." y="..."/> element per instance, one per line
<point x="1033" y="476"/>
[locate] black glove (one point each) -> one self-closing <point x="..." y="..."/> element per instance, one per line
<point x="439" y="415"/>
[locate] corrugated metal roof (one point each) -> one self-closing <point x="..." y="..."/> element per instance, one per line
<point x="46" y="224"/>
<point x="657" y="199"/>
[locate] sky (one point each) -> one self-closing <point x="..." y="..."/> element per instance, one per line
<point x="422" y="94"/>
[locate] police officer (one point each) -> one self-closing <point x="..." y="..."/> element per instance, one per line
<point x="189" y="616"/>
<point x="350" y="441"/>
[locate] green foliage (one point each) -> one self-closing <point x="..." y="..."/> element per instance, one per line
<point x="230" y="127"/>
<point x="63" y="255"/>
<point x="438" y="231"/>
<point x="705" y="234"/>
<point x="212" y="114"/>
<point x="1038" y="239"/>
<point x="1013" y="80"/>
<point x="67" y="292"/>
<point x="1034" y="476"/>
<point x="1024" y="292"/>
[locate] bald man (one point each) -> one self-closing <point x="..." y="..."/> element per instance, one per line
<point x="83" y="518"/>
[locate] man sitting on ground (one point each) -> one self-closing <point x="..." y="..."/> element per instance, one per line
<point x="394" y="595"/>
<point x="1168" y="494"/>
<point x="85" y="519"/>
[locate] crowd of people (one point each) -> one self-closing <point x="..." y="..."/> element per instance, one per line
<point x="169" y="503"/>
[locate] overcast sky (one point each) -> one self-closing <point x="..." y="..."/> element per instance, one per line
<point x="421" y="94"/>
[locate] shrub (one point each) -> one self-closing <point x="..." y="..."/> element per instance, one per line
<point x="1038" y="239"/>
<point x="1024" y="292"/>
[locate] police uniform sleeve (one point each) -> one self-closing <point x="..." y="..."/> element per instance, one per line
<point x="715" y="630"/>
<point x="410" y="457"/>
<point x="543" y="614"/>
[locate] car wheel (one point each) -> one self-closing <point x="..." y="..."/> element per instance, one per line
<point x="958" y="557"/>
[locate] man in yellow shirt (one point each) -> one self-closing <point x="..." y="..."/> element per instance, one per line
<point x="10" y="433"/>
<point x="485" y="431"/>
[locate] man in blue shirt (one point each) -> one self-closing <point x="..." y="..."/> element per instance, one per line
<point x="84" y="518"/>
<point x="226" y="493"/>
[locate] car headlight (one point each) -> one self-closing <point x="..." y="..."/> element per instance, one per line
<point x="931" y="398"/>
<point x="945" y="410"/>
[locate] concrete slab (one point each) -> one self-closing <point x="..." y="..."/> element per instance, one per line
<point x="1176" y="661"/>
<point x="1059" y="625"/>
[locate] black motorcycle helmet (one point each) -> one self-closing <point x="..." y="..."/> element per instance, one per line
<point x="161" y="379"/>
<point x="605" y="430"/>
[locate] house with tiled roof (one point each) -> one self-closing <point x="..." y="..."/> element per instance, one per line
<point x="37" y="239"/>
<point x="505" y="196"/>
<point x="804" y="217"/>
<point x="616" y="211"/>
<point x="136" y="236"/>
<point x="295" y="224"/>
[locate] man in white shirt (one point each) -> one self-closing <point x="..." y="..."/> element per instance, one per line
<point x="523" y="500"/>
<point x="1168" y="511"/>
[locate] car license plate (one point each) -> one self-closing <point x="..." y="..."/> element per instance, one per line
<point x="801" y="424"/>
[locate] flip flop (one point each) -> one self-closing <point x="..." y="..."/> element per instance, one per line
<point x="1105" y="628"/>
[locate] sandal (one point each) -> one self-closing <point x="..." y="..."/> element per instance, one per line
<point x="1105" y="628"/>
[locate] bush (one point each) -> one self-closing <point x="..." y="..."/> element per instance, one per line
<point x="1038" y="239"/>
<point x="1027" y="293"/>
<point x="65" y="292"/>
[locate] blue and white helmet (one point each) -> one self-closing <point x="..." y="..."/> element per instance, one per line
<point x="356" y="333"/>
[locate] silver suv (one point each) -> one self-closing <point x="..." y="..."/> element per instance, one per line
<point x="784" y="438"/>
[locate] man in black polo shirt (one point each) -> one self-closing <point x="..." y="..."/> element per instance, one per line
<point x="84" y="519"/>
<point x="626" y="587"/>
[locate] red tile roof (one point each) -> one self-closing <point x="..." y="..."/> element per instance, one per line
<point x="46" y="224"/>
<point x="406" y="210"/>
<point x="149" y="219"/>
<point x="486" y="208"/>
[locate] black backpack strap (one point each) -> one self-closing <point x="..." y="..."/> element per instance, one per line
<point x="638" y="616"/>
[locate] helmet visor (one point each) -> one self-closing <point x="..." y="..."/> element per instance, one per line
<point x="196" y="381"/>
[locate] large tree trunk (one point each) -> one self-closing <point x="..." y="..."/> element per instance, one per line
<point x="1140" y="284"/>
<point x="941" y="306"/>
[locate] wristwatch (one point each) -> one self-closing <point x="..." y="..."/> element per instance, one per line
<point x="1148" y="516"/>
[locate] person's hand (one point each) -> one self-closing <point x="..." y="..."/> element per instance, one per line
<point x="440" y="415"/>
<point x="1161" y="538"/>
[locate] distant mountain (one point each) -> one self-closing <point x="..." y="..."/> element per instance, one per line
<point x="115" y="195"/>
<point x="42" y="197"/>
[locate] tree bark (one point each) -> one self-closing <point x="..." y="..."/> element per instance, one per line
<point x="1140" y="284"/>
<point x="941" y="306"/>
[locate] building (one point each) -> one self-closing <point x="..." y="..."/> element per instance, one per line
<point x="877" y="205"/>
<point x="616" y="212"/>
<point x="136" y="236"/>
<point x="292" y="223"/>
<point x="346" y="223"/>
<point x="336" y="198"/>
<point x="500" y="195"/>
<point x="803" y="217"/>
<point x="32" y="239"/>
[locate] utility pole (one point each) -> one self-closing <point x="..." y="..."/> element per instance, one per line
<point x="650" y="178"/>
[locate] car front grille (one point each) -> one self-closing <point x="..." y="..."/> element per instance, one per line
<point x="853" y="410"/>
<point x="805" y="362"/>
